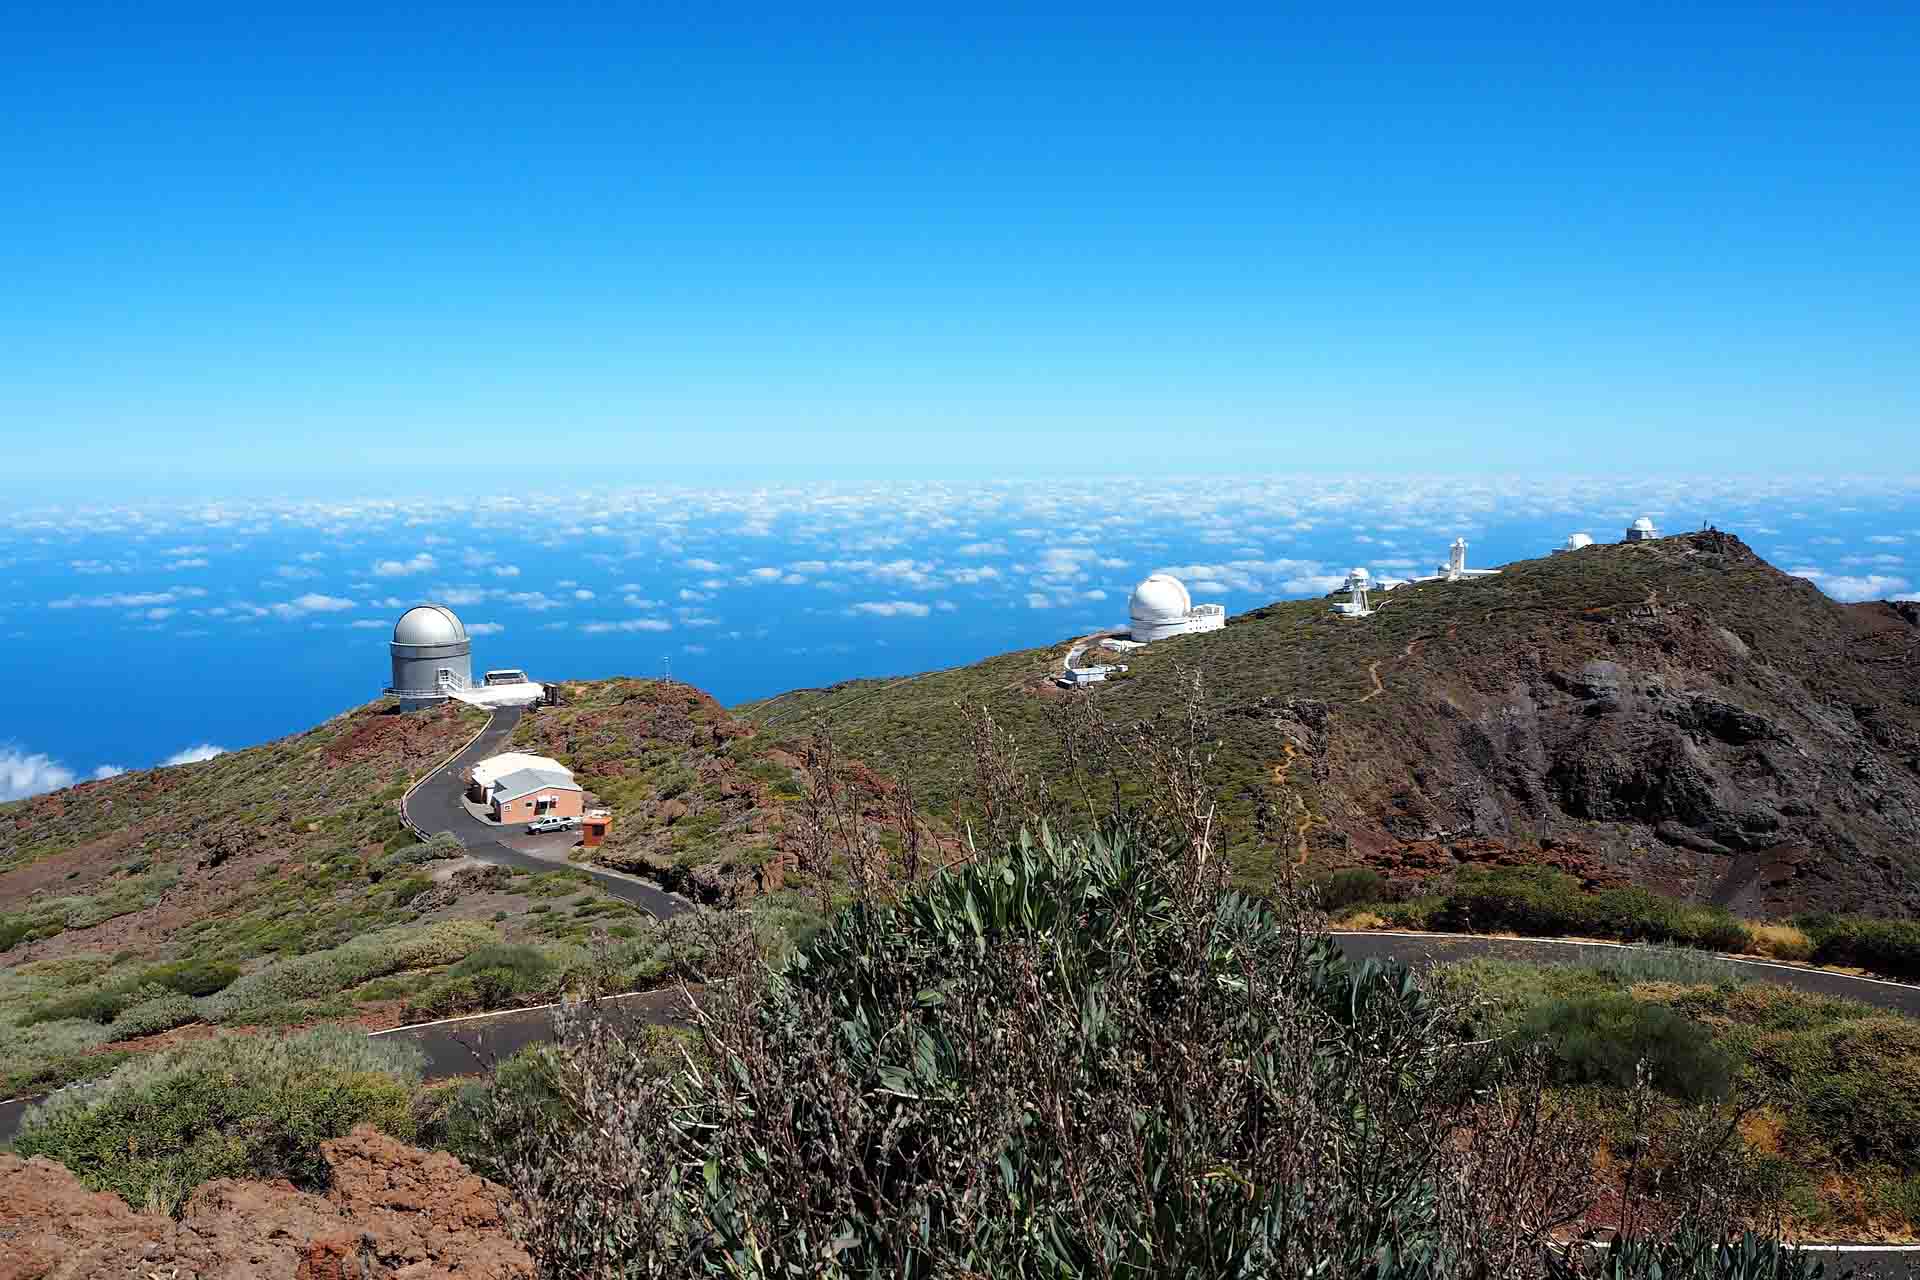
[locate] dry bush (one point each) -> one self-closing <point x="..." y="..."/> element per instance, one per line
<point x="1780" y="941"/>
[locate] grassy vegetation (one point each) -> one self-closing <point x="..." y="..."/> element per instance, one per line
<point x="1610" y="1038"/>
<point x="268" y="887"/>
<point x="1883" y="946"/>
<point x="1410" y="707"/>
<point x="1285" y="649"/>
<point x="48" y="917"/>
<point x="1832" y="1087"/>
<point x="1541" y="902"/>
<point x="697" y="799"/>
<point x="251" y="1106"/>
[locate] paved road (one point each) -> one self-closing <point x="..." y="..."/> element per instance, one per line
<point x="435" y="806"/>
<point x="464" y="1046"/>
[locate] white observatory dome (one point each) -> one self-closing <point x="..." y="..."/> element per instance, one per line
<point x="431" y="656"/>
<point x="1643" y="525"/>
<point x="1361" y="574"/>
<point x="1161" y="598"/>
<point x="1575" y="541"/>
<point x="429" y="624"/>
<point x="1160" y="607"/>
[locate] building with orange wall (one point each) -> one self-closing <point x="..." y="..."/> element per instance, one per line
<point x="526" y="794"/>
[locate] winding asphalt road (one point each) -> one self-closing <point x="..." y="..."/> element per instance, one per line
<point x="434" y="805"/>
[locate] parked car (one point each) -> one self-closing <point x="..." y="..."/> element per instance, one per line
<point x="552" y="822"/>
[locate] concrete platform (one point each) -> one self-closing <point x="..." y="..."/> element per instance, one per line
<point x="491" y="697"/>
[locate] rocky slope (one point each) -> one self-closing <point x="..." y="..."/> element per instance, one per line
<point x="700" y="799"/>
<point x="133" y="860"/>
<point x="1675" y="713"/>
<point x="390" y="1211"/>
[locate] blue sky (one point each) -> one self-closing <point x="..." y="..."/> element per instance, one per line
<point x="133" y="633"/>
<point x="340" y="251"/>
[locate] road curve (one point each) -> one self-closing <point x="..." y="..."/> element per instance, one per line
<point x="434" y="805"/>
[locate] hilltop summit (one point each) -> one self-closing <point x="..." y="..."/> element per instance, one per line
<point x="1673" y="712"/>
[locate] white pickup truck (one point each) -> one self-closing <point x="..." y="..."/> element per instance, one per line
<point x="552" y="822"/>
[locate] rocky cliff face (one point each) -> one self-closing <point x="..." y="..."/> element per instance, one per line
<point x="392" y="1212"/>
<point x="1732" y="736"/>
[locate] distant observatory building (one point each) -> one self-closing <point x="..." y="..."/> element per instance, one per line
<point x="1356" y="605"/>
<point x="1455" y="569"/>
<point x="1575" y="542"/>
<point x="433" y="662"/>
<point x="1161" y="608"/>
<point x="1642" y="530"/>
<point x="431" y="656"/>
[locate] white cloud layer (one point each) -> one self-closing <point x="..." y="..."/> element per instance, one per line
<point x="23" y="774"/>
<point x="421" y="563"/>
<point x="890" y="609"/>
<point x="194" y="755"/>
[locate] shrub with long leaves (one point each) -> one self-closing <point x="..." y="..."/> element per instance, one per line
<point x="1078" y="1058"/>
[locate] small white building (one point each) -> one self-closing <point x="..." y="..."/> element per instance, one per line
<point x="1356" y="604"/>
<point x="1642" y="530"/>
<point x="482" y="776"/>
<point x="1080" y="677"/>
<point x="1575" y="542"/>
<point x="1160" y="608"/>
<point x="526" y="794"/>
<point x="1455" y="569"/>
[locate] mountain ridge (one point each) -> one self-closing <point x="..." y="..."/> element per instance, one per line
<point x="1676" y="713"/>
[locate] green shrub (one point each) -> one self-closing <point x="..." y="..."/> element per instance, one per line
<point x="1885" y="946"/>
<point x="1854" y="1086"/>
<point x="443" y="845"/>
<point x="157" y="1013"/>
<point x="101" y="1004"/>
<point x="192" y="977"/>
<point x="1349" y="887"/>
<point x="51" y="1054"/>
<point x="495" y="977"/>
<point x="1528" y="900"/>
<point x="1541" y="902"/>
<point x="1899" y="1199"/>
<point x="1662" y="962"/>
<point x="238" y="1106"/>
<point x="409" y="889"/>
<point x="1604" y="1038"/>
<point x="1689" y="1254"/>
<point x="929" y="1050"/>
<point x="326" y="973"/>
<point x="522" y="1085"/>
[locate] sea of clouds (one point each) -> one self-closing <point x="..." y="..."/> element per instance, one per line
<point x="236" y="621"/>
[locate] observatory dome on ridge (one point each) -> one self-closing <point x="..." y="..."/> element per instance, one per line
<point x="429" y="624"/>
<point x="431" y="655"/>
<point x="1161" y="606"/>
<point x="1160" y="598"/>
